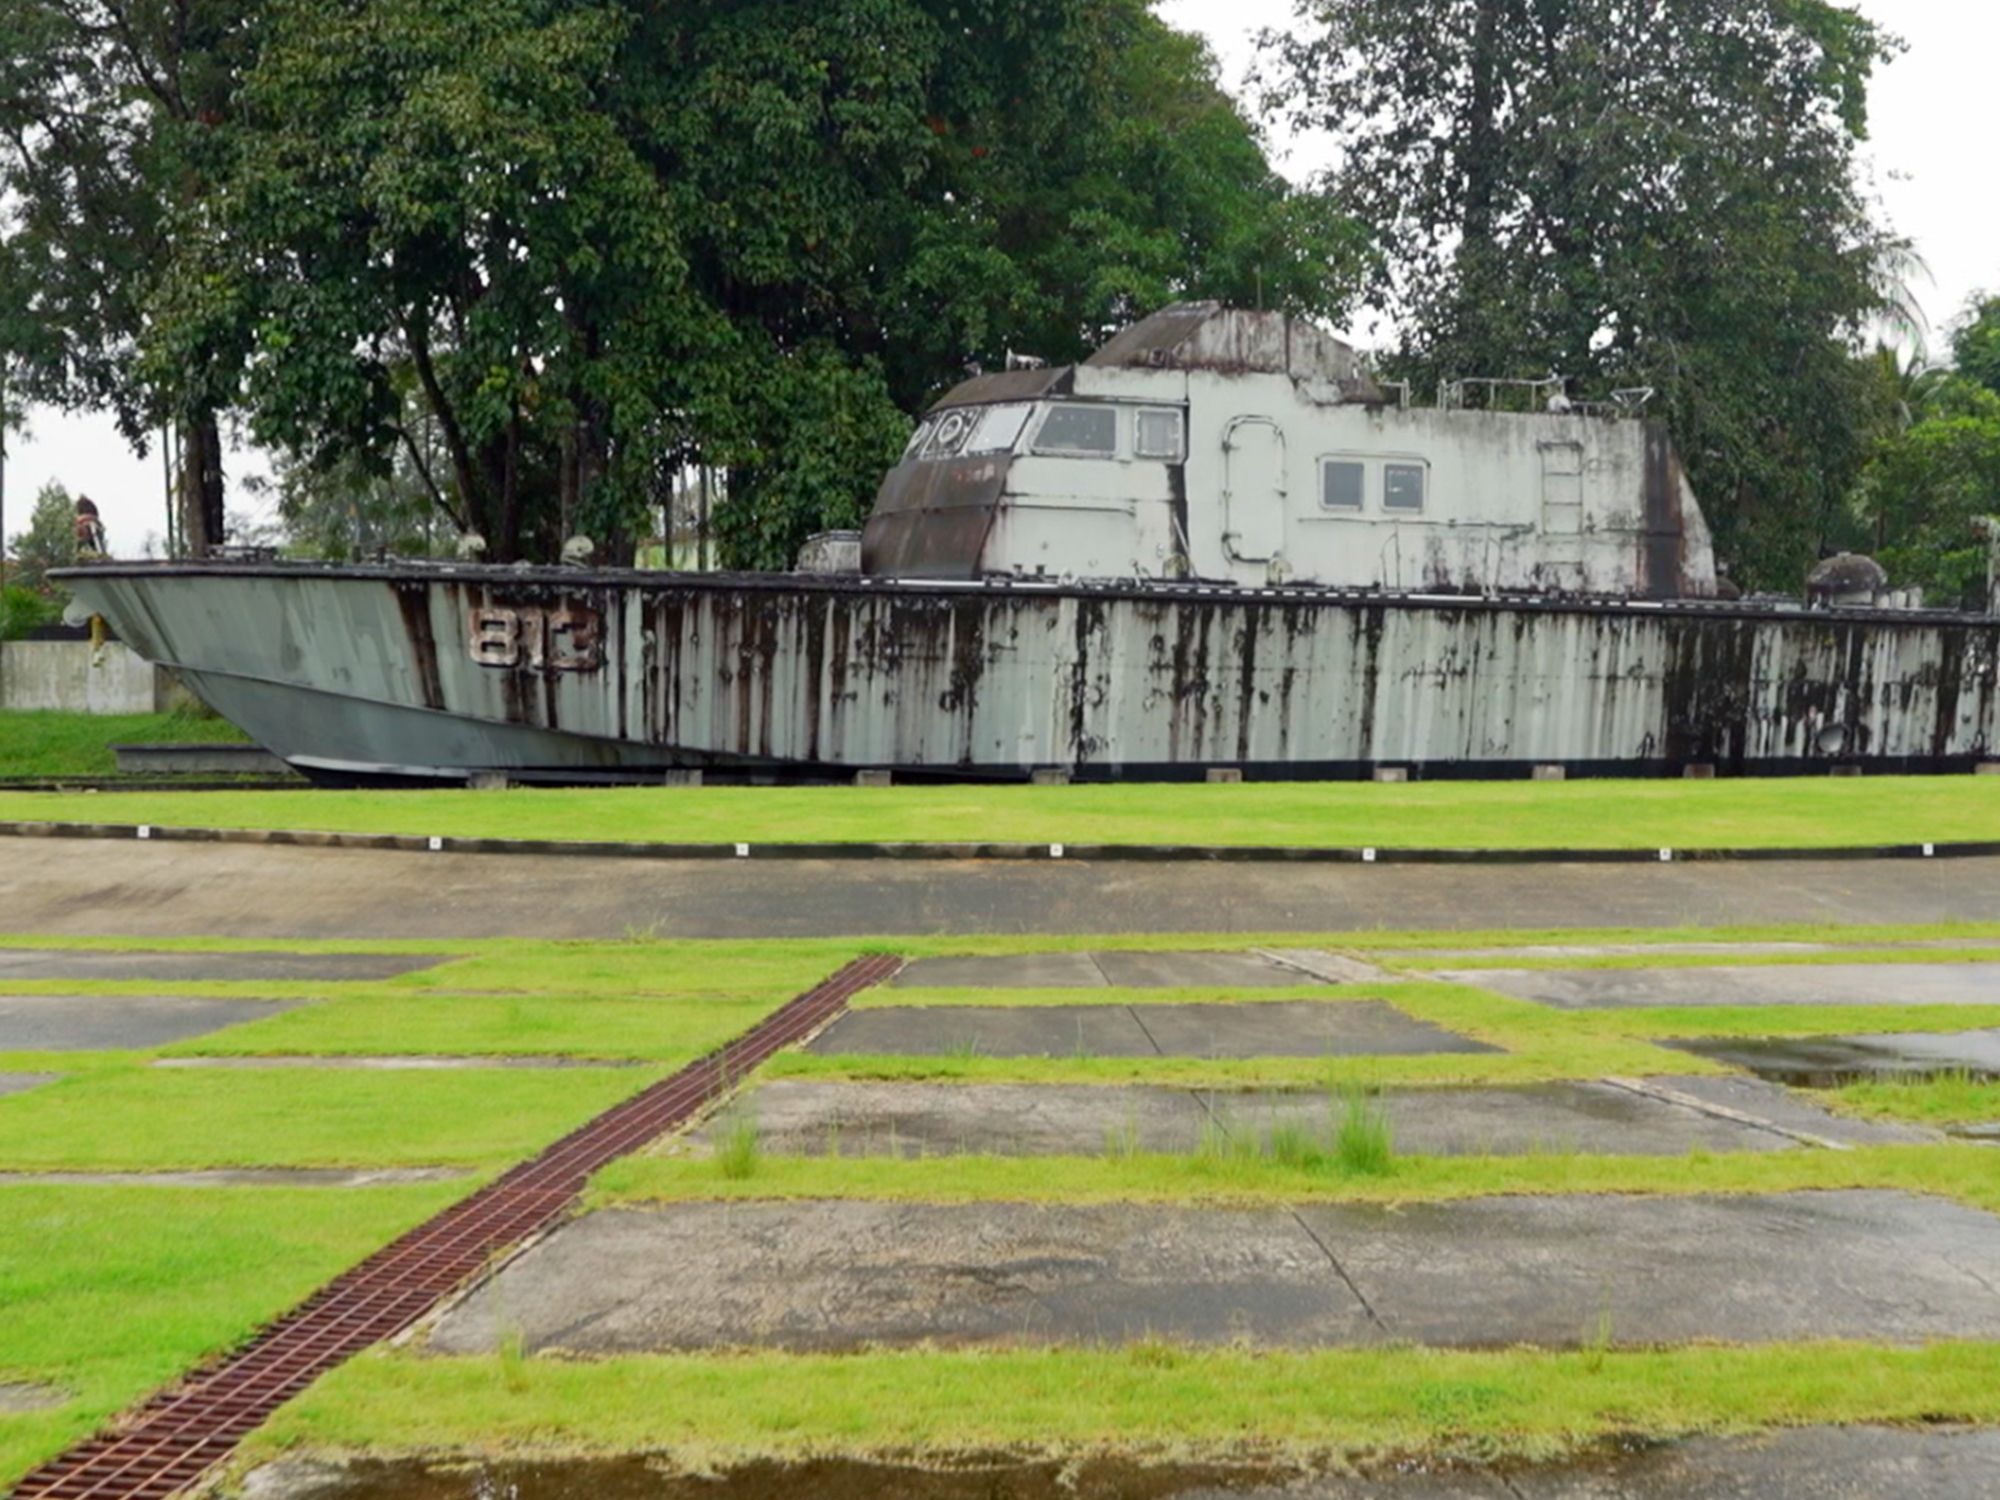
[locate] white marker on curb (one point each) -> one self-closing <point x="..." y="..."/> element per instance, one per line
<point x="742" y="851"/>
<point x="437" y="845"/>
<point x="1930" y="851"/>
<point x="1368" y="856"/>
<point x="1055" y="851"/>
<point x="145" y="830"/>
<point x="1666" y="856"/>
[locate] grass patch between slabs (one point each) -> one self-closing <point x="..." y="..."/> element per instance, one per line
<point x="151" y="1119"/>
<point x="1233" y="1175"/>
<point x="1154" y="1399"/>
<point x="1804" y="813"/>
<point x="107" y="1293"/>
<point x="1949" y="1098"/>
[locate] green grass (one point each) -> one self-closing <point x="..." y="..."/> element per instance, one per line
<point x="58" y="744"/>
<point x="1256" y="1176"/>
<point x="670" y="1031"/>
<point x="144" y="1119"/>
<point x="1160" y="1401"/>
<point x="107" y="1293"/>
<point x="1804" y="813"/>
<point x="1948" y="1098"/>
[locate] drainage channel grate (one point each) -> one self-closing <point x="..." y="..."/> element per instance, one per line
<point x="179" y="1435"/>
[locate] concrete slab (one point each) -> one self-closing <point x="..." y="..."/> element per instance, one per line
<point x="1097" y="970"/>
<point x="1883" y="1266"/>
<point x="1595" y="1119"/>
<point x="1645" y="950"/>
<point x="20" y="1083"/>
<point x="800" y="1118"/>
<point x="1819" y="1463"/>
<point x="336" y="1177"/>
<point x="1769" y="984"/>
<point x="1791" y="1111"/>
<point x="104" y="1023"/>
<point x="822" y="1276"/>
<point x="197" y="968"/>
<point x="988" y="1031"/>
<point x="803" y="1118"/>
<point x="1305" y="1028"/>
<point x="167" y="890"/>
<point x="1555" y="1271"/>
<point x="1011" y="971"/>
<point x="1829" y="1061"/>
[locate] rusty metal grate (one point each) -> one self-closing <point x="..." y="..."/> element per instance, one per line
<point x="178" y="1435"/>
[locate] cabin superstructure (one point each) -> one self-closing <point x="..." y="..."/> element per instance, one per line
<point x="1251" y="448"/>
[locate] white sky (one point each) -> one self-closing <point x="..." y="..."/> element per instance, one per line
<point x="1931" y="163"/>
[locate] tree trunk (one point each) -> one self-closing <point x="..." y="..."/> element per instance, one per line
<point x="203" y="525"/>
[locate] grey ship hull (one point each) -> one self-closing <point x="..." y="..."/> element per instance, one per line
<point x="407" y="672"/>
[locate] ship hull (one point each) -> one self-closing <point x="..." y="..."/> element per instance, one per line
<point x="421" y="672"/>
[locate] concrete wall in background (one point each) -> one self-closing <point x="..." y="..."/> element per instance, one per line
<point x="63" y="675"/>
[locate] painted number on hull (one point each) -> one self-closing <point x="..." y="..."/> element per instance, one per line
<point x="567" y="640"/>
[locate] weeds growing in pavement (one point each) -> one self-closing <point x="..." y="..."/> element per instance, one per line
<point x="1364" y="1144"/>
<point x="739" y="1149"/>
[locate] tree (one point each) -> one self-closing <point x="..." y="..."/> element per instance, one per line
<point x="1975" y="343"/>
<point x="1659" y="197"/>
<point x="603" y="241"/>
<point x="49" y="542"/>
<point x="112" y="114"/>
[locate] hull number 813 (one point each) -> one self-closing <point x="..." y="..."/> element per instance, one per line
<point x="569" y="639"/>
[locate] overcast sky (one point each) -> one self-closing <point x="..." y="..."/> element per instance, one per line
<point x="1931" y="163"/>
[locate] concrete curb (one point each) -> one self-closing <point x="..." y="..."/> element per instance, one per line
<point x="1096" y="853"/>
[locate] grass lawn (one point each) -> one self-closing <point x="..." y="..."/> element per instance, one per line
<point x="59" y="744"/>
<point x="1155" y="1400"/>
<point x="1946" y="1099"/>
<point x="1804" y="813"/>
<point x="144" y="1119"/>
<point x="109" y="1292"/>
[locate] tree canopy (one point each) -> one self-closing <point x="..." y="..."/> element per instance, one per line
<point x="1662" y="196"/>
<point x="595" y="241"/>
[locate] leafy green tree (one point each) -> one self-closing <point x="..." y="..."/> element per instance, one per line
<point x="603" y="241"/>
<point x="1925" y="489"/>
<point x="1663" y="197"/>
<point x="49" y="541"/>
<point x="112" y="115"/>
<point x="1975" y="343"/>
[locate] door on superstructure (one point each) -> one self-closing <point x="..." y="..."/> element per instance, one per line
<point x="1253" y="489"/>
<point x="1562" y="515"/>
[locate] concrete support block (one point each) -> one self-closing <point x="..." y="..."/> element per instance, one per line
<point x="1702" y="772"/>
<point x="488" y="781"/>
<point x="1224" y="776"/>
<point x="680" y="778"/>
<point x="1549" y="773"/>
<point x="874" y="778"/>
<point x="1846" y="771"/>
<point x="1392" y="775"/>
<point x="1987" y="768"/>
<point x="1050" y="778"/>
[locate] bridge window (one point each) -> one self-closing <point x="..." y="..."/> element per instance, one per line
<point x="1079" y="431"/>
<point x="1159" y="435"/>
<point x="1341" y="483"/>
<point x="1403" y="488"/>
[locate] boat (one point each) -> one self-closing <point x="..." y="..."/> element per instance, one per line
<point x="1218" y="545"/>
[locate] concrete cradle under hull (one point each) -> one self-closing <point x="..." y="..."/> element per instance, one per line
<point x="412" y="671"/>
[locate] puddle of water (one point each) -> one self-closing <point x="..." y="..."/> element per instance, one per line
<point x="831" y="1479"/>
<point x="1834" y="1062"/>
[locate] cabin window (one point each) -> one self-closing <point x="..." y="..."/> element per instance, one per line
<point x="1159" y="435"/>
<point x="949" y="431"/>
<point x="917" y="440"/>
<point x="1403" y="488"/>
<point x="999" y="429"/>
<point x="1079" y="431"/>
<point x="1341" y="483"/>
